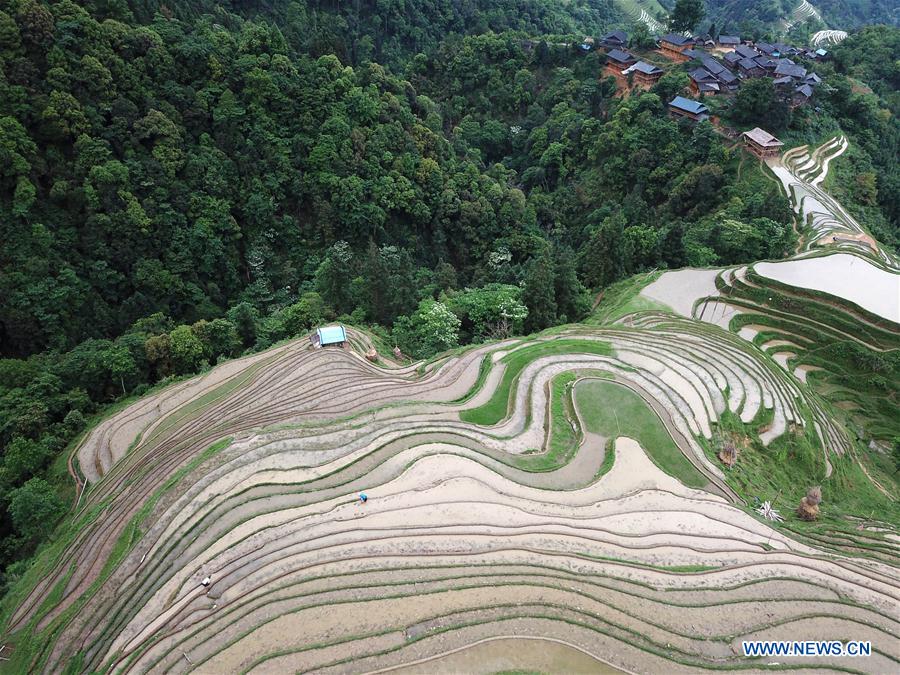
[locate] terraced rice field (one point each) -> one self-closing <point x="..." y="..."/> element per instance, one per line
<point x="823" y="221"/>
<point x="846" y="276"/>
<point x="824" y="38"/>
<point x="250" y="476"/>
<point x="805" y="11"/>
<point x="555" y="502"/>
<point x="645" y="12"/>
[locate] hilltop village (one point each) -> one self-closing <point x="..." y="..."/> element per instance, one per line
<point x="717" y="67"/>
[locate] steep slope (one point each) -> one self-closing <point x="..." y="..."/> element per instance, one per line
<point x="568" y="486"/>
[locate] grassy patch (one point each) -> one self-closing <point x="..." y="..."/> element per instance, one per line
<point x="563" y="438"/>
<point x="612" y="410"/>
<point x="790" y="465"/>
<point x="497" y="407"/>
<point x="624" y="297"/>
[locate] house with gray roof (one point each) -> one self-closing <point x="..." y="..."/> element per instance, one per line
<point x="787" y="68"/>
<point x="802" y="95"/>
<point x="617" y="39"/>
<point x="750" y="68"/>
<point x="619" y="58"/>
<point x="732" y="59"/>
<point x="761" y="143"/>
<point x="673" y="46"/>
<point x="644" y="73"/>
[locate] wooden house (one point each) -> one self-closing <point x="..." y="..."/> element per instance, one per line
<point x="618" y="39"/>
<point x="704" y="82"/>
<point x="684" y="107"/>
<point x="761" y="143"/>
<point x="644" y="74"/>
<point x="673" y="46"/>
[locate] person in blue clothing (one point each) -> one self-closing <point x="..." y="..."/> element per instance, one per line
<point x="363" y="498"/>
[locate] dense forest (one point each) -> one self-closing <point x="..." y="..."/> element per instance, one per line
<point x="180" y="186"/>
<point x="385" y="31"/>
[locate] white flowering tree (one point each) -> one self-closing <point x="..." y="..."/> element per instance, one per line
<point x="492" y="311"/>
<point x="431" y="329"/>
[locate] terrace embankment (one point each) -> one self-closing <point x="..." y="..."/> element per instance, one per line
<point x="569" y="488"/>
<point x="471" y="531"/>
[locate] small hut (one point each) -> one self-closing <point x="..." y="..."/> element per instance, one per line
<point x="331" y="336"/>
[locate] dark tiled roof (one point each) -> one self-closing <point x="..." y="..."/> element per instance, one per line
<point x="712" y="65"/>
<point x="790" y="69"/>
<point x="674" y="39"/>
<point x="729" y="40"/>
<point x="618" y="56"/>
<point x="805" y="90"/>
<point x="726" y="77"/>
<point x="616" y="36"/>
<point x="646" y="68"/>
<point x="686" y="104"/>
<point x="745" y="51"/>
<point x="701" y="75"/>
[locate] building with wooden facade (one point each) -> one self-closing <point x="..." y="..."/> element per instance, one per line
<point x="644" y="74"/>
<point x="673" y="46"/>
<point x="684" y="107"/>
<point x="761" y="143"/>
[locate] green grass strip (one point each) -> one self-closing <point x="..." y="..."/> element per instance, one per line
<point x="497" y="407"/>
<point x="612" y="410"/>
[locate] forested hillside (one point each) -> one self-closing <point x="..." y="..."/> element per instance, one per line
<point x="853" y="13"/>
<point x="178" y="187"/>
<point x="386" y="31"/>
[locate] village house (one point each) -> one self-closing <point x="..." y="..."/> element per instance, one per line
<point x="761" y="143"/>
<point x="768" y="49"/>
<point x="812" y="79"/>
<point x="704" y="82"/>
<point x="783" y="83"/>
<point x="673" y="45"/>
<point x="618" y="39"/>
<point x="684" y="107"/>
<point x="731" y="59"/>
<point x="726" y="79"/>
<point x="619" y="59"/>
<point x="695" y="54"/>
<point x="787" y="68"/>
<point x="731" y="41"/>
<point x="801" y="95"/>
<point x="750" y="68"/>
<point x="644" y="74"/>
<point x="768" y="65"/>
